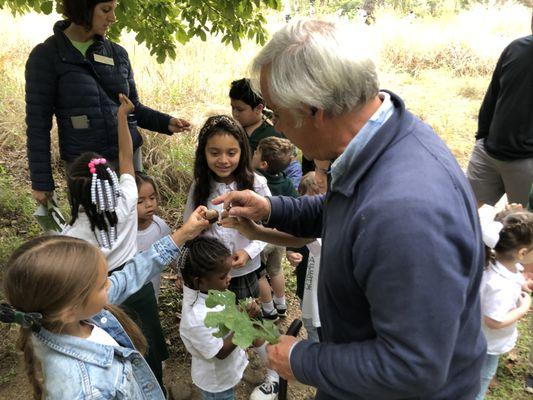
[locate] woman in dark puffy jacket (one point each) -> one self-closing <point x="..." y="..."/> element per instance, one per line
<point x="76" y="75"/>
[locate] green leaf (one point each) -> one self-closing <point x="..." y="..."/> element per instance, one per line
<point x="233" y="318"/>
<point x="47" y="7"/>
<point x="164" y="24"/>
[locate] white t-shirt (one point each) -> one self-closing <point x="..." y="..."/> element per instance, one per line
<point x="500" y="293"/>
<point x="310" y="298"/>
<point x="126" y="245"/>
<point x="231" y="237"/>
<point x="98" y="335"/>
<point x="208" y="372"/>
<point x="145" y="238"/>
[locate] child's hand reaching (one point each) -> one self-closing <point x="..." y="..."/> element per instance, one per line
<point x="239" y="259"/>
<point x="126" y="106"/>
<point x="294" y="258"/>
<point x="192" y="227"/>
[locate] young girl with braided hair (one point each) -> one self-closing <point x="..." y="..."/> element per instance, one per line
<point x="217" y="364"/>
<point x="76" y="345"/>
<point x="509" y="241"/>
<point x="104" y="212"/>
<point x="103" y="206"/>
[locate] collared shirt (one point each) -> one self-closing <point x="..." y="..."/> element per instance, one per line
<point x="208" y="372"/>
<point x="231" y="237"/>
<point x="361" y="139"/>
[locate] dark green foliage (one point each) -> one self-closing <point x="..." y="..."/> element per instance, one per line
<point x="160" y="24"/>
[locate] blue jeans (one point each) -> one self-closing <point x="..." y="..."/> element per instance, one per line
<point x="225" y="395"/>
<point x="488" y="370"/>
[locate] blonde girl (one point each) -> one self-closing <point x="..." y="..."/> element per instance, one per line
<point x="76" y="345"/>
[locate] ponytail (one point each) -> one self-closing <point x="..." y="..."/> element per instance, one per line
<point x="32" y="365"/>
<point x="131" y="328"/>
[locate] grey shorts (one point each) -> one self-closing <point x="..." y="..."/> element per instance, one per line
<point x="271" y="257"/>
<point x="491" y="178"/>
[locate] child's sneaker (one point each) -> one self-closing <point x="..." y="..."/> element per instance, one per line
<point x="266" y="391"/>
<point x="270" y="315"/>
<point x="281" y="309"/>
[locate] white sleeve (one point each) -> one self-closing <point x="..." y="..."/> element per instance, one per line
<point x="165" y="229"/>
<point x="127" y="202"/>
<point x="261" y="186"/>
<point x="199" y="336"/>
<point x="202" y="339"/>
<point x="496" y="302"/>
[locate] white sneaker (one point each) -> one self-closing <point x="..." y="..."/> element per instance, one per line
<point x="266" y="391"/>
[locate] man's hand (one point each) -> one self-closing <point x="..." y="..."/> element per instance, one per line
<point x="239" y="259"/>
<point x="41" y="197"/>
<point x="177" y="125"/>
<point x="278" y="356"/>
<point x="245" y="203"/>
<point x="244" y="226"/>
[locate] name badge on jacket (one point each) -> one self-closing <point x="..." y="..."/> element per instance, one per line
<point x="80" y="122"/>
<point x="103" y="59"/>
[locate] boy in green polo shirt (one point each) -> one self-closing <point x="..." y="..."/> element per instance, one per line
<point x="271" y="158"/>
<point x="247" y="108"/>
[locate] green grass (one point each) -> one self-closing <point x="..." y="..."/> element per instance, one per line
<point x="513" y="367"/>
<point x="16" y="216"/>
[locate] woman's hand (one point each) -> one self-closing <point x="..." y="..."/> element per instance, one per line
<point x="177" y="125"/>
<point x="126" y="106"/>
<point x="239" y="259"/>
<point x="41" y="197"/>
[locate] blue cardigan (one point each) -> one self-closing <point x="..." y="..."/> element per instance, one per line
<point x="60" y="81"/>
<point x="402" y="259"/>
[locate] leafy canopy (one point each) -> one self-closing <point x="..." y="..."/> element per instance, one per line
<point x="160" y="24"/>
<point x="233" y="318"/>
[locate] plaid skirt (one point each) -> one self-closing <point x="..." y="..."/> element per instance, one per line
<point x="245" y="286"/>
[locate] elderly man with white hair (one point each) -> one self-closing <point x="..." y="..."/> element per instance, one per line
<point x="402" y="254"/>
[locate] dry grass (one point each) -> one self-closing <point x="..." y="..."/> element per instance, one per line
<point x="467" y="43"/>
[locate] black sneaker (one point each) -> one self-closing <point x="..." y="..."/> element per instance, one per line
<point x="281" y="309"/>
<point x="270" y="315"/>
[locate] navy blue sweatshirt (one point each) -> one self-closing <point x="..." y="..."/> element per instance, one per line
<point x="401" y="264"/>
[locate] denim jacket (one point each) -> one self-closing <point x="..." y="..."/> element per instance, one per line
<point x="75" y="368"/>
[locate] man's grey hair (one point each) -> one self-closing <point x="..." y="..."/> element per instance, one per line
<point x="319" y="64"/>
